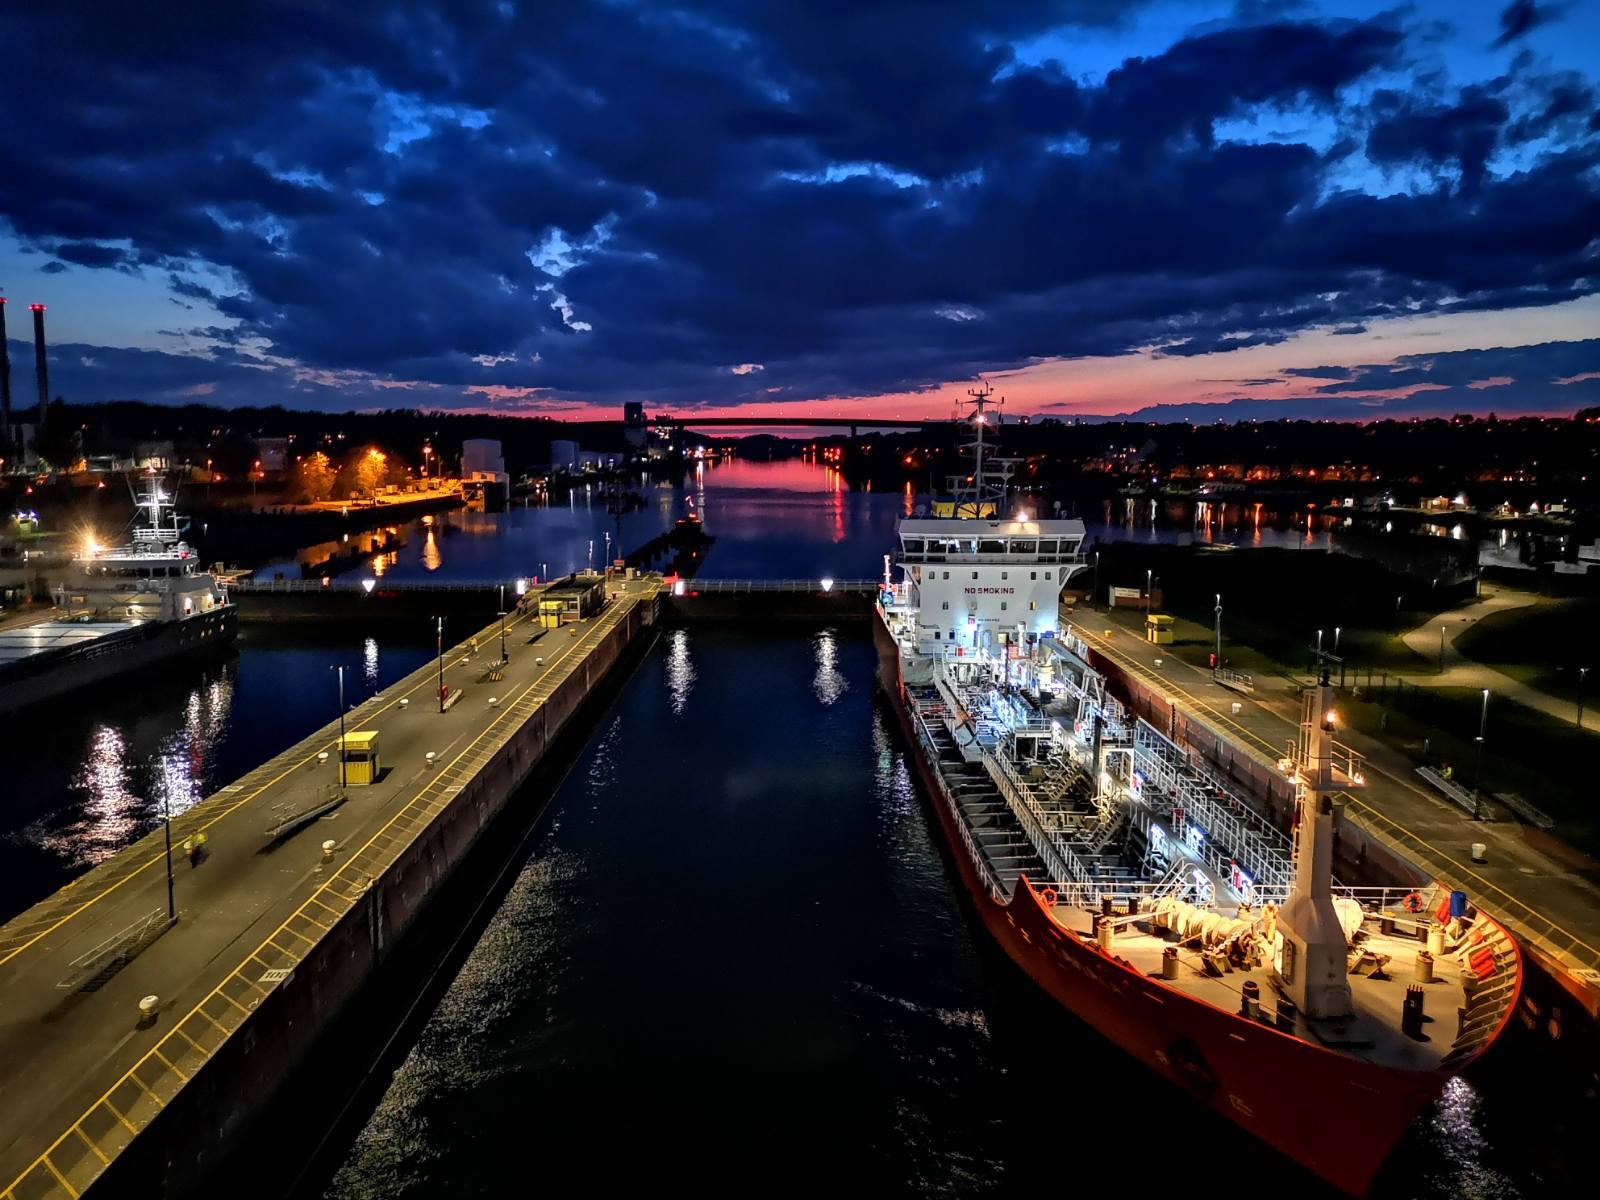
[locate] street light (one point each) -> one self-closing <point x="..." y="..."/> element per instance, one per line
<point x="441" y="663"/>
<point x="504" y="657"/>
<point x="1477" y="771"/>
<point x="1149" y="585"/>
<point x="340" y="671"/>
<point x="1441" y="649"/>
<point x="1583" y="673"/>
<point x="1094" y="583"/>
<point x="166" y="824"/>
<point x="1336" y="641"/>
<point x="1217" y="663"/>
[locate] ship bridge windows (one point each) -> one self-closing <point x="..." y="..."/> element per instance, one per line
<point x="991" y="546"/>
<point x="1047" y="546"/>
<point x="1028" y="546"/>
<point x="912" y="545"/>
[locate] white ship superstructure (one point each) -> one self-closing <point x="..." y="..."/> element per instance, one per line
<point x="120" y="610"/>
<point x="155" y="577"/>
<point x="978" y="578"/>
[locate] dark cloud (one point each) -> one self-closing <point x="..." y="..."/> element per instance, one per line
<point x="1464" y="132"/>
<point x="1518" y="17"/>
<point x="607" y="202"/>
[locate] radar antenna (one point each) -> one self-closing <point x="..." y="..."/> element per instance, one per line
<point x="983" y="493"/>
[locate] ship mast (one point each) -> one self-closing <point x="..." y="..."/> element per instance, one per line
<point x="983" y="493"/>
<point x="1310" y="947"/>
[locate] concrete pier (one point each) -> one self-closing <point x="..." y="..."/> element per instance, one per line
<point x="136" y="1051"/>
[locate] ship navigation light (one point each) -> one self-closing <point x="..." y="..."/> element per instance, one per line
<point x="827" y="583"/>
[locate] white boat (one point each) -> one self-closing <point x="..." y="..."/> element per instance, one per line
<point x="120" y="609"/>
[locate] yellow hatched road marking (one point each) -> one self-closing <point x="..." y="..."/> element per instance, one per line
<point x="604" y="626"/>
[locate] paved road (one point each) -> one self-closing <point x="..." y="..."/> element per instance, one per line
<point x="1463" y="672"/>
<point x="1545" y="903"/>
<point x="78" y="1076"/>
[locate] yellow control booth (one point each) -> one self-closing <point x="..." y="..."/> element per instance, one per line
<point x="1158" y="629"/>
<point x="359" y="757"/>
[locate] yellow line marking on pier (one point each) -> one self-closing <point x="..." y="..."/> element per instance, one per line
<point x="1367" y="812"/>
<point x="393" y="702"/>
<point x="603" y="626"/>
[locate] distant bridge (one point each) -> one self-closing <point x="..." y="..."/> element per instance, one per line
<point x="851" y="423"/>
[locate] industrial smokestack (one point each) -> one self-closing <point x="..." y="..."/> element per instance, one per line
<point x="40" y="365"/>
<point x="5" y="380"/>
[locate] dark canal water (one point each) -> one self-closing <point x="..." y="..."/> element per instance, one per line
<point x="735" y="957"/>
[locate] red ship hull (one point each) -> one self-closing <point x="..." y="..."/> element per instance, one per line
<point x="1252" y="1074"/>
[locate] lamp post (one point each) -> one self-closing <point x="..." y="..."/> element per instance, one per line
<point x="340" y="672"/>
<point x="441" y="663"/>
<point x="544" y="573"/>
<point x="1441" y="649"/>
<point x="1149" y="586"/>
<point x="1094" y="582"/>
<point x="166" y="824"/>
<point x="1477" y="770"/>
<point x="1336" y="641"/>
<point x="504" y="657"/>
<point x="1217" y="665"/>
<point x="1583" y="673"/>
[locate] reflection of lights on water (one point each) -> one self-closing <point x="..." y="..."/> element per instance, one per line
<point x="910" y="498"/>
<point x="829" y="683"/>
<point x="118" y="793"/>
<point x="369" y="659"/>
<point x="680" y="671"/>
<point x="110" y="815"/>
<point x="431" y="558"/>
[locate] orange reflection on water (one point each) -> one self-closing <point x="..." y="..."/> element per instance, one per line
<point x="431" y="558"/>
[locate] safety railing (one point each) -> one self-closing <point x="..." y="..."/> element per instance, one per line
<point x="117" y="950"/>
<point x="853" y="586"/>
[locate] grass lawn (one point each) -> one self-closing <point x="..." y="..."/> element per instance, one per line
<point x="1542" y="646"/>
<point x="1525" y="751"/>
<point x="1261" y="649"/>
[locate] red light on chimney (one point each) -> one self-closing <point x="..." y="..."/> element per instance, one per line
<point x="35" y="308"/>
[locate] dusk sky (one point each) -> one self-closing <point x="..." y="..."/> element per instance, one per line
<point x="1185" y="210"/>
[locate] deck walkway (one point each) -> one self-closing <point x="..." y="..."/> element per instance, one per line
<point x="80" y="1075"/>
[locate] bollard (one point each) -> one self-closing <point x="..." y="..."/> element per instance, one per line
<point x="1288" y="1014"/>
<point x="405" y="701"/>
<point x="1158" y="662"/>
<point x="1411" y="1016"/>
<point x="1108" y="905"/>
<point x="147" y="1010"/>
<point x="1480" y="852"/>
<point x="1250" y="1000"/>
<point x="328" y="848"/>
<point x="494" y="701"/>
<point x="322" y="757"/>
<point x="1106" y="934"/>
<point x="1422" y="971"/>
<point x="1436" y="940"/>
<point x="1169" y="963"/>
<point x="428" y="758"/>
